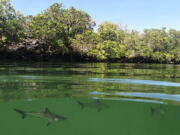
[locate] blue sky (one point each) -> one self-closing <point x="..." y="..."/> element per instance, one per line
<point x="135" y="14"/>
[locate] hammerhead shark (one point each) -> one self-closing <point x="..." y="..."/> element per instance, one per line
<point x="96" y="105"/>
<point x="47" y="114"/>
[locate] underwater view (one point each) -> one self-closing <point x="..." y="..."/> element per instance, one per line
<point x="89" y="99"/>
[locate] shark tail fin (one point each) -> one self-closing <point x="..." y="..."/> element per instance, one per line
<point x="81" y="104"/>
<point x="21" y="112"/>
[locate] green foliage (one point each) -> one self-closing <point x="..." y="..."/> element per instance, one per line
<point x="110" y="31"/>
<point x="108" y="50"/>
<point x="175" y="38"/>
<point x="11" y="23"/>
<point x="82" y="43"/>
<point x="75" y="21"/>
<point x="58" y="26"/>
<point x="161" y="57"/>
<point x="176" y="55"/>
<point x="157" y="40"/>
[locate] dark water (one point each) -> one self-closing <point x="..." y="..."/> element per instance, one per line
<point x="89" y="99"/>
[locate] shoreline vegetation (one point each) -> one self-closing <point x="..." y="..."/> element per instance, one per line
<point x="69" y="35"/>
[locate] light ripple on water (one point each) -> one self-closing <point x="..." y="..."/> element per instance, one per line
<point x="154" y="96"/>
<point x="134" y="81"/>
<point x="134" y="100"/>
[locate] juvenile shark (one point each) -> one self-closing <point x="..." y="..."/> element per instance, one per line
<point x="95" y="105"/>
<point x="47" y="114"/>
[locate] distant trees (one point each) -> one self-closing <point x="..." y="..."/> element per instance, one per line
<point x="58" y="26"/>
<point x="112" y="32"/>
<point x="69" y="32"/>
<point x="11" y="23"/>
<point x="160" y="41"/>
<point x="110" y="42"/>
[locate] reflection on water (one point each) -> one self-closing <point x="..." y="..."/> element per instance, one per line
<point x="132" y="81"/>
<point x="152" y="96"/>
<point x="89" y="99"/>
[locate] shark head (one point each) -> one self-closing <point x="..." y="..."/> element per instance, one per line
<point x="58" y="117"/>
<point x="54" y="117"/>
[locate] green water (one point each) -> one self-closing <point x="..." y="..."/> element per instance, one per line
<point x="96" y="98"/>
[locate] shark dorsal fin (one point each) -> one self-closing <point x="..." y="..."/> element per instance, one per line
<point x="47" y="110"/>
<point x="49" y="123"/>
